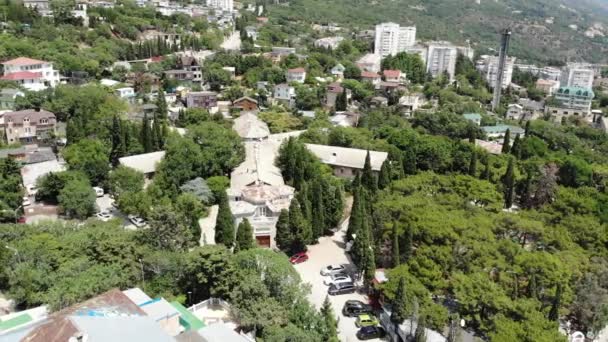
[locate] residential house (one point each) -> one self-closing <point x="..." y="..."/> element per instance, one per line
<point x="602" y="123"/>
<point x="251" y="32"/>
<point x="379" y="101"/>
<point x="369" y="62"/>
<point x="499" y="131"/>
<point x="170" y="39"/>
<point x="473" y="117"/>
<point x="515" y="111"/>
<point x="346" y="162"/>
<point x="32" y="74"/>
<point x="146" y="163"/>
<point x="296" y="75"/>
<point x="371" y="77"/>
<point x="493" y="147"/>
<point x="571" y="101"/>
<point x="410" y="103"/>
<point x="531" y="109"/>
<point x="28" y="126"/>
<point x="548" y="87"/>
<point x="285" y="94"/>
<point x="345" y="119"/>
<point x="32" y="172"/>
<point x="29" y="154"/>
<point x="330" y="43"/>
<point x="334" y="90"/>
<point x="202" y="99"/>
<point x="338" y="71"/>
<point x="395" y="76"/>
<point x="245" y="103"/>
<point x="387" y="88"/>
<point x="126" y="93"/>
<point x="8" y="96"/>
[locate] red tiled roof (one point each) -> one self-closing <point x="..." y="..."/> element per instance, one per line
<point x="21" y="75"/>
<point x="369" y="74"/>
<point x="157" y="58"/>
<point x="297" y="70"/>
<point x="392" y="73"/>
<point x="23" y="61"/>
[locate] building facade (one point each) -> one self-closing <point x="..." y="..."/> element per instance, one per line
<point x="571" y="101"/>
<point x="391" y="39"/>
<point x="32" y="74"/>
<point x="488" y="66"/>
<point x="202" y="99"/>
<point x="577" y="75"/>
<point x="296" y="75"/>
<point x="441" y="58"/>
<point x="28" y="126"/>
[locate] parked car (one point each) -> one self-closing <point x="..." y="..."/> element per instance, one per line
<point x="26" y="201"/>
<point x="366" y="320"/>
<point x="104" y="216"/>
<point x="31" y="190"/>
<point x="341" y="288"/>
<point x="367" y="333"/>
<point x="298" y="258"/>
<point x="332" y="269"/>
<point x="137" y="221"/>
<point x="98" y="191"/>
<point x="354" y="308"/>
<point x="22" y="219"/>
<point x="337" y="278"/>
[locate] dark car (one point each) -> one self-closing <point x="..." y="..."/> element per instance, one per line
<point x="367" y="333"/>
<point x="353" y="308"/>
<point x="341" y="288"/>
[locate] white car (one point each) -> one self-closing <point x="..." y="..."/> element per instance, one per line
<point x="26" y="201"/>
<point x="337" y="278"/>
<point x="137" y="221"/>
<point x="104" y="216"/>
<point x="32" y="190"/>
<point x="98" y="191"/>
<point x="332" y="269"/>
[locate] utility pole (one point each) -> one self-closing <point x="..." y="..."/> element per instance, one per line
<point x="502" y="57"/>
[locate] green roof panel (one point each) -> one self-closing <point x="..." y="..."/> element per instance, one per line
<point x="187" y="318"/>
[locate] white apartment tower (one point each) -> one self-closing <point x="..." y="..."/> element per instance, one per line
<point x="392" y="39"/>
<point x="441" y="58"/>
<point x="488" y="66"/>
<point x="577" y="75"/>
<point x="222" y="5"/>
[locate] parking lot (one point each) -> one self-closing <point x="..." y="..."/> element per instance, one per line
<point x="330" y="250"/>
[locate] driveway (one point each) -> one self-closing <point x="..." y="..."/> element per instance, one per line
<point x="330" y="250"/>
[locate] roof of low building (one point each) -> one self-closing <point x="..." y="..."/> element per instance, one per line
<point x="502" y="129"/>
<point x="220" y="332"/>
<point x="98" y="329"/>
<point x="21" y="75"/>
<point x="144" y="163"/>
<point x="245" y="98"/>
<point x="296" y="70"/>
<point x="392" y="73"/>
<point x="586" y="92"/>
<point x="472" y="116"/>
<point x="249" y="126"/>
<point x="10" y="93"/>
<point x="347" y="157"/>
<point x="33" y="115"/>
<point x="369" y="74"/>
<point x="20" y="61"/>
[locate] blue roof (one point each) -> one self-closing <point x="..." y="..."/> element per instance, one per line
<point x="502" y="129"/>
<point x="578" y="91"/>
<point x="472" y="116"/>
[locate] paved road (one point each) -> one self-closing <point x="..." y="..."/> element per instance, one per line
<point x="233" y="42"/>
<point x="330" y="250"/>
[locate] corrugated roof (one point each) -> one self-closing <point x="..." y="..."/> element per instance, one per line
<point x="103" y="329"/>
<point x="347" y="157"/>
<point x="187" y="319"/>
<point x="144" y="163"/>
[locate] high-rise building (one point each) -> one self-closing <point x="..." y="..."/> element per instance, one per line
<point x="222" y="5"/>
<point x="577" y="75"/>
<point x="441" y="58"/>
<point x="392" y="39"/>
<point x="488" y="66"/>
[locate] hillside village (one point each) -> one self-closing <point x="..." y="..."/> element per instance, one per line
<point x="205" y="172"/>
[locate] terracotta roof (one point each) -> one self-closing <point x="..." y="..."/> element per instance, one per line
<point x="369" y="74"/>
<point x="297" y="70"/>
<point x="21" y="75"/>
<point x="392" y="73"/>
<point x="34" y="116"/>
<point x="23" y="61"/>
<point x="244" y="98"/>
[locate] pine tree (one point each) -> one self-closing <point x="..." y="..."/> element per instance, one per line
<point x="420" y="335"/>
<point x="527" y="129"/>
<point x="224" y="225"/>
<point x="284" y="238"/>
<point x="516" y="148"/>
<point x="331" y="324"/>
<point x="244" y="237"/>
<point x="555" y="304"/>
<point x="300" y="229"/>
<point x="396" y="253"/>
<point x="146" y="135"/>
<point x="368" y="180"/>
<point x="508" y="181"/>
<point x="117" y="150"/>
<point x="506" y="143"/>
<point x="399" y="305"/>
<point x="473" y="164"/>
<point x="318" y="219"/>
<point x="384" y="177"/>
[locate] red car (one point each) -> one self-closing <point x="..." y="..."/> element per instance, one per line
<point x="21" y="219"/>
<point x="298" y="258"/>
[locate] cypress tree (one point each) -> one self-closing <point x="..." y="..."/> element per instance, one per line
<point x="399" y="304"/>
<point x="384" y="177"/>
<point x="161" y="106"/>
<point x="532" y="287"/>
<point x="334" y="207"/>
<point x="341" y="101"/>
<point x="408" y="243"/>
<point x="300" y="229"/>
<point x="368" y="180"/>
<point x="516" y="148"/>
<point x="555" y="304"/>
<point x="485" y="175"/>
<point x="506" y="143"/>
<point x="304" y="200"/>
<point x="244" y="237"/>
<point x="396" y="254"/>
<point x="331" y="324"/>
<point x="527" y="129"/>
<point x="224" y="225"/>
<point x="420" y="335"/>
<point x="117" y="141"/>
<point x="157" y="134"/>
<point x="369" y="268"/>
<point x="473" y="164"/>
<point x="472" y="135"/>
<point x="362" y="242"/>
<point x="356" y="213"/>
<point x="397" y="167"/>
<point x="509" y="182"/>
<point x="284" y="237"/>
<point x="146" y="135"/>
<point x="318" y="219"/>
<point x="409" y="162"/>
<point x="356" y="181"/>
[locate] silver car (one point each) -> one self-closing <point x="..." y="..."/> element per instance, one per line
<point x="337" y="278"/>
<point x="333" y="269"/>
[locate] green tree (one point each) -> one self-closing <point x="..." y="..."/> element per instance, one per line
<point x="244" y="237"/>
<point x="191" y="209"/>
<point x="331" y="325"/>
<point x="146" y="135"/>
<point x="408" y="243"/>
<point x="118" y="149"/>
<point x="89" y="156"/>
<point x="300" y="229"/>
<point x="399" y="306"/>
<point x="508" y="181"/>
<point x="506" y="143"/>
<point x="125" y="179"/>
<point x="384" y="177"/>
<point x="50" y="185"/>
<point x="158" y="139"/>
<point x="368" y="179"/>
<point x="318" y="218"/>
<point x="224" y="226"/>
<point x="166" y="230"/>
<point x="473" y="164"/>
<point x="556" y="304"/>
<point x="284" y="237"/>
<point x="341" y="101"/>
<point x="201" y="189"/>
<point x="77" y="199"/>
<point x="516" y="148"/>
<point x="420" y="335"/>
<point x="395" y="250"/>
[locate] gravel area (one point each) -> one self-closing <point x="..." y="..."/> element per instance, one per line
<point x="330" y="250"/>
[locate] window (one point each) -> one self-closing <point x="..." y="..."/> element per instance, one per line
<point x="44" y="121"/>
